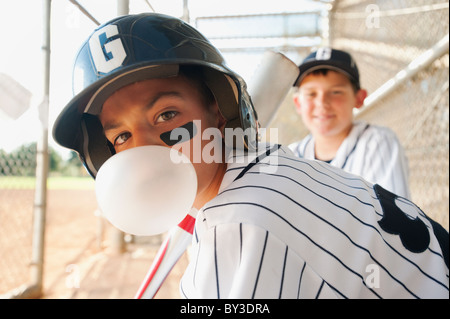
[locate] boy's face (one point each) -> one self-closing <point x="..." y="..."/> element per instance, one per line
<point x="138" y="114"/>
<point x="326" y="103"/>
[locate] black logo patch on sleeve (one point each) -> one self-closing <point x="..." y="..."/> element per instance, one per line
<point x="413" y="233"/>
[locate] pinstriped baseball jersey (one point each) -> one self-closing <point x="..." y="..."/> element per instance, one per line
<point x="370" y="151"/>
<point x="285" y="227"/>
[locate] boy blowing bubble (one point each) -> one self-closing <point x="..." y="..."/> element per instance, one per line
<point x="298" y="230"/>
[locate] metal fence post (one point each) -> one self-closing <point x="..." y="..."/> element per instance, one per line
<point x="117" y="236"/>
<point x="40" y="198"/>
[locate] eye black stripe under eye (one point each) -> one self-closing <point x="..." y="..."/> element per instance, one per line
<point x="181" y="134"/>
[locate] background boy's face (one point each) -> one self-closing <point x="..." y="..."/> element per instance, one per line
<point x="326" y="102"/>
<point x="138" y="114"/>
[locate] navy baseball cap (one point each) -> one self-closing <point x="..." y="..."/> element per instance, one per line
<point x="332" y="59"/>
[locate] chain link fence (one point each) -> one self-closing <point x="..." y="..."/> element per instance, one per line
<point x="16" y="212"/>
<point x="387" y="38"/>
<point x="384" y="38"/>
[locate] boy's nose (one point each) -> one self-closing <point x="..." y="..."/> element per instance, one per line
<point x="144" y="137"/>
<point x="322" y="100"/>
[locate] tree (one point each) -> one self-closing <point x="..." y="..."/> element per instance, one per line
<point x="22" y="162"/>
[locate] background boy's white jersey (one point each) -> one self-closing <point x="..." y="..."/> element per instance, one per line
<point x="370" y="151"/>
<point x="292" y="228"/>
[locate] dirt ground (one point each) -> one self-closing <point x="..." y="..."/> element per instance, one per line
<point x="80" y="259"/>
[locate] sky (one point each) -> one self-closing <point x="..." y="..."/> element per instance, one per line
<point x="21" y="39"/>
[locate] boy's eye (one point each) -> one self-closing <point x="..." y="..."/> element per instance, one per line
<point x="166" y="116"/>
<point x="122" y="138"/>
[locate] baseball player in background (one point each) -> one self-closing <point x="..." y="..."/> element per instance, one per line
<point x="328" y="92"/>
<point x="269" y="224"/>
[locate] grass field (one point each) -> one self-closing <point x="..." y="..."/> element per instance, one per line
<point x="60" y="182"/>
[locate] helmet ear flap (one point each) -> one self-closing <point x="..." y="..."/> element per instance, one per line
<point x="96" y="148"/>
<point x="249" y="119"/>
<point x="236" y="107"/>
<point x="225" y="92"/>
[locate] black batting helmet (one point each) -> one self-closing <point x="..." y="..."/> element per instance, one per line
<point x="131" y="48"/>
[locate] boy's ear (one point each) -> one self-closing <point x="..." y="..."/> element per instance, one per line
<point x="221" y="120"/>
<point x="296" y="97"/>
<point x="360" y="97"/>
